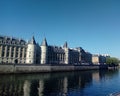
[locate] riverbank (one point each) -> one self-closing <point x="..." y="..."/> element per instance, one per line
<point x="34" y="68"/>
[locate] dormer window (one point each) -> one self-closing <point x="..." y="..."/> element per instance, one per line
<point x="0" y="41"/>
<point x="13" y="42"/>
<point x="9" y="42"/>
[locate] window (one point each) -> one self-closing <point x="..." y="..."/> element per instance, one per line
<point x="4" y="42"/>
<point x="12" y="54"/>
<point x="9" y="42"/>
<point x="8" y="49"/>
<point x="13" y="42"/>
<point x="7" y="54"/>
<point x="2" y="54"/>
<point x="22" y="43"/>
<point x="0" y="41"/>
<point x="20" y="55"/>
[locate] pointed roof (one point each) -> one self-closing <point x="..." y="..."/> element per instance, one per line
<point x="32" y="41"/>
<point x="65" y="45"/>
<point x="44" y="42"/>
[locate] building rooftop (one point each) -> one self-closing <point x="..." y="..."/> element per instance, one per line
<point x="44" y="42"/>
<point x="32" y="41"/>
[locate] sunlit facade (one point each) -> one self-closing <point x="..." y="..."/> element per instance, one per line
<point x="13" y="50"/>
<point x="99" y="59"/>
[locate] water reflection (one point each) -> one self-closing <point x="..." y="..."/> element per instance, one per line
<point x="50" y="84"/>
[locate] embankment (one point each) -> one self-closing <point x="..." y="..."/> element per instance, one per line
<point x="34" y="68"/>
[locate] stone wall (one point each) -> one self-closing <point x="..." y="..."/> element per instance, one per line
<point x="25" y="68"/>
<point x="6" y="68"/>
<point x="31" y="69"/>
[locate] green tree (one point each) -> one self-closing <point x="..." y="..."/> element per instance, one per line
<point x="112" y="61"/>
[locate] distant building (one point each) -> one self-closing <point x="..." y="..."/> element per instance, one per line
<point x="13" y="50"/>
<point x="99" y="59"/>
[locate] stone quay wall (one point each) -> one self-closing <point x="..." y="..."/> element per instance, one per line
<point x="34" y="68"/>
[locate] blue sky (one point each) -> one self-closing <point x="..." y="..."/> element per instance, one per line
<point x="92" y="24"/>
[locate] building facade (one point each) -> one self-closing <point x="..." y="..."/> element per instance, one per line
<point x="99" y="59"/>
<point x="13" y="50"/>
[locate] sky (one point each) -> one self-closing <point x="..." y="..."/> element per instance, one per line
<point x="93" y="25"/>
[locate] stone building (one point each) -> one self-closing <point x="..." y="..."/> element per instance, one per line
<point x="31" y="51"/>
<point x="58" y="55"/>
<point x="99" y="59"/>
<point x="13" y="50"/>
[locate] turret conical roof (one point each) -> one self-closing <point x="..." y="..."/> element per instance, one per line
<point x="32" y="41"/>
<point x="44" y="42"/>
<point x="65" y="45"/>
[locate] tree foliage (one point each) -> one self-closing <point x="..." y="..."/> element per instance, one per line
<point x="112" y="61"/>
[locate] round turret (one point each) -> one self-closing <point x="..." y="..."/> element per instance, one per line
<point x="44" y="52"/>
<point x="66" y="49"/>
<point x="31" y="52"/>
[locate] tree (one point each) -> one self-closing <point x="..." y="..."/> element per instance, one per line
<point x="112" y="61"/>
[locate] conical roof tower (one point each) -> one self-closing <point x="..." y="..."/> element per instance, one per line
<point x="65" y="45"/>
<point x="44" y="47"/>
<point x="32" y="41"/>
<point x="31" y="51"/>
<point x="44" y="42"/>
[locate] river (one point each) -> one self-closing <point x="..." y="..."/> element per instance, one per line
<point x="81" y="83"/>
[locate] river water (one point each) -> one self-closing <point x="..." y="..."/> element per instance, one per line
<point x="82" y="83"/>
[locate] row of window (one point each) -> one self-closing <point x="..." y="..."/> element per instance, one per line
<point x="12" y="42"/>
<point x="12" y="62"/>
<point x="56" y="56"/>
<point x="13" y="54"/>
<point x="7" y="48"/>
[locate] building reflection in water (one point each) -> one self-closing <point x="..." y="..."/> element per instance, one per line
<point x="52" y="84"/>
<point x="65" y="86"/>
<point x="96" y="77"/>
<point x="26" y="88"/>
<point x="41" y="87"/>
<point x="10" y="87"/>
